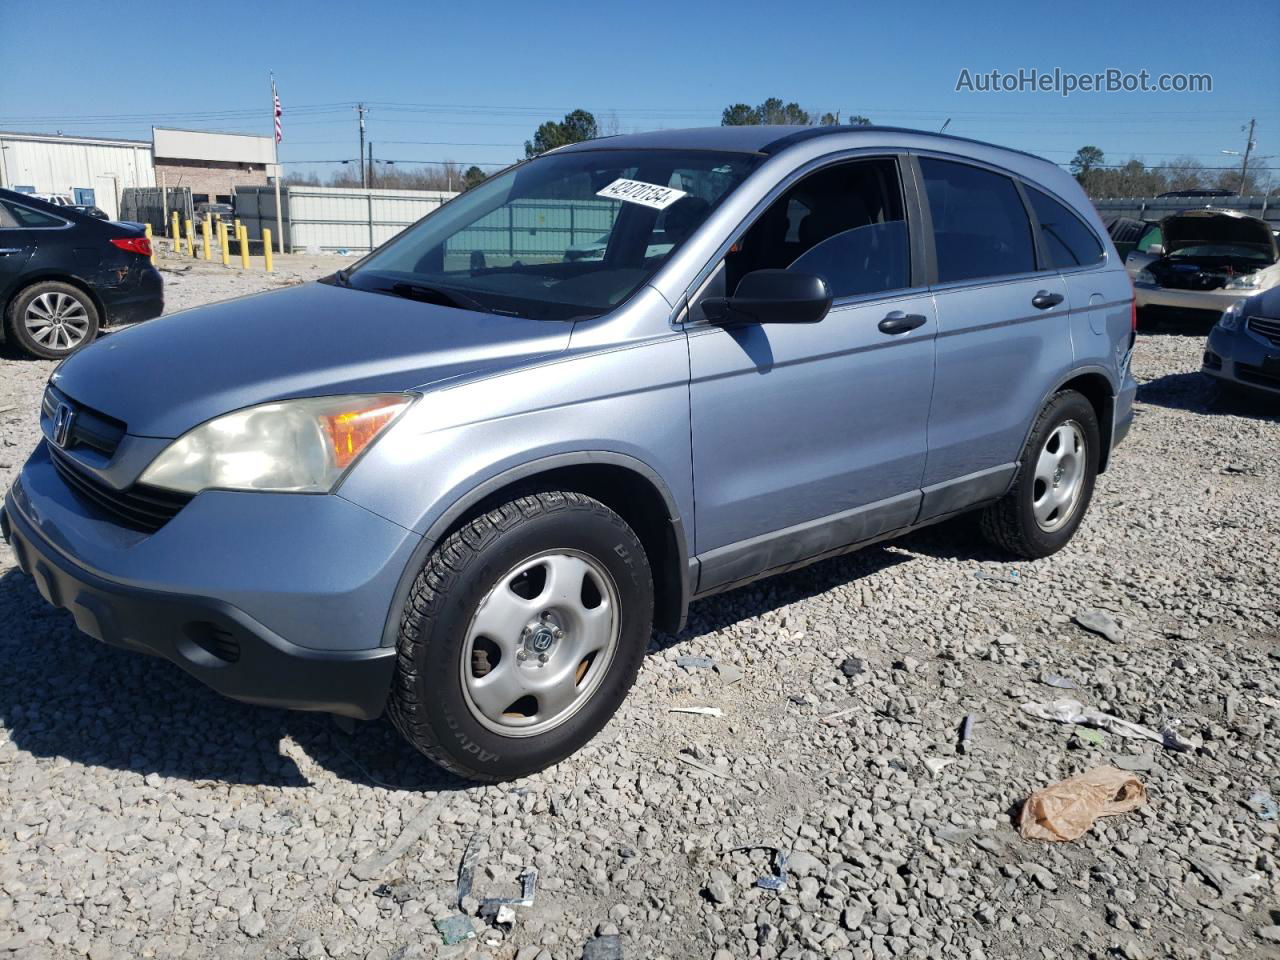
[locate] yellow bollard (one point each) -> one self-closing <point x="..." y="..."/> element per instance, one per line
<point x="244" y="248"/>
<point x="191" y="250"/>
<point x="147" y="230"/>
<point x="224" y="244"/>
<point x="266" y="248"/>
<point x="206" y="239"/>
<point x="174" y="235"/>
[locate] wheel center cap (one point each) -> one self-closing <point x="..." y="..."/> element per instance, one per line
<point x="540" y="640"/>
<point x="1057" y="476"/>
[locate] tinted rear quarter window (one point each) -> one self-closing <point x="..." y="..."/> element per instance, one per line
<point x="1066" y="239"/>
<point x="26" y="217"/>
<point x="980" y="226"/>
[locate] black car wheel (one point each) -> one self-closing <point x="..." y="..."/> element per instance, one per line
<point x="522" y="635"/>
<point x="51" y="319"/>
<point x="1055" y="481"/>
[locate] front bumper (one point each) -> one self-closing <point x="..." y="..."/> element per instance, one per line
<point x="1191" y="304"/>
<point x="274" y="599"/>
<point x="1240" y="357"/>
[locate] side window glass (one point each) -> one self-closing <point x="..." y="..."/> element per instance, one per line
<point x="7" y="221"/>
<point x="980" y="227"/>
<point x="1066" y="239"/>
<point x="845" y="223"/>
<point x="1149" y="239"/>
<point x="26" y="217"/>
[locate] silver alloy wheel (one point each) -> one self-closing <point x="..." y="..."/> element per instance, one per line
<point x="1059" y="476"/>
<point x="57" y="320"/>
<point x="540" y="643"/>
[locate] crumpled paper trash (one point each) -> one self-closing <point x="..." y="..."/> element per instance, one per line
<point x="1066" y="810"/>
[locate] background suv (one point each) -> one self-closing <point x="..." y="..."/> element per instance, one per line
<point x="482" y="471"/>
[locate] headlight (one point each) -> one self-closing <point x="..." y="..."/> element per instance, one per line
<point x="1230" y="319"/>
<point x="1145" y="276"/>
<point x="1247" y="281"/>
<point x="300" y="446"/>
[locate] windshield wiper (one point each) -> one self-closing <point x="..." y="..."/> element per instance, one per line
<point x="438" y="295"/>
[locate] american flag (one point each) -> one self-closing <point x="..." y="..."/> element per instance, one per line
<point x="276" y="97"/>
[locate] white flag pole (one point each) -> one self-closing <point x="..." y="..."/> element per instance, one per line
<point x="276" y="144"/>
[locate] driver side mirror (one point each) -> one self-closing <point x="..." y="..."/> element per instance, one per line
<point x="772" y="296"/>
<point x="1156" y="250"/>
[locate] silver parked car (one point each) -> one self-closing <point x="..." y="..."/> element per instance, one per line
<point x="1243" y="351"/>
<point x="485" y="469"/>
<point x="1205" y="261"/>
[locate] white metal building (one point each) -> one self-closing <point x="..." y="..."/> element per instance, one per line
<point x="84" y="169"/>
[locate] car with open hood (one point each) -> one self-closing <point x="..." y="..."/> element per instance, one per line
<point x="462" y="480"/>
<point x="1207" y="259"/>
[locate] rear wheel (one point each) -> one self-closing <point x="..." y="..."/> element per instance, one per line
<point x="522" y="635"/>
<point x="1055" y="481"/>
<point x="51" y="319"/>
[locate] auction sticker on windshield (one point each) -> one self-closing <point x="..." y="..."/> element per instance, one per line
<point x="637" y="191"/>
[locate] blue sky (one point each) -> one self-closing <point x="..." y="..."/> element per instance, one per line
<point x="470" y="82"/>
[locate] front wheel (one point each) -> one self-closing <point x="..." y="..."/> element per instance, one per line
<point x="1054" y="484"/>
<point x="522" y="635"/>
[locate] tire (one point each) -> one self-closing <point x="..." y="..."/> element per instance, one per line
<point x="1024" y="522"/>
<point x="72" y="320"/>
<point x="452" y="678"/>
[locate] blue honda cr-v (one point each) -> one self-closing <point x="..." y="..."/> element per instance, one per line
<point x="461" y="480"/>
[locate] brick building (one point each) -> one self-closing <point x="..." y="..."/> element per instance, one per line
<point x="210" y="164"/>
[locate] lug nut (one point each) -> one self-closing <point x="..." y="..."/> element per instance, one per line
<point x="542" y="657"/>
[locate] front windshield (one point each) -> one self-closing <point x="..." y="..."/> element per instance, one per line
<point x="542" y="241"/>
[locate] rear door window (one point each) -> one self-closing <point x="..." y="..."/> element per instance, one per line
<point x="980" y="227"/>
<point x="26" y="217"/>
<point x="1065" y="238"/>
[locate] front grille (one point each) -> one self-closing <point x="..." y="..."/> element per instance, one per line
<point x="140" y="507"/>
<point x="1252" y="374"/>
<point x="1268" y="329"/>
<point x="89" y="428"/>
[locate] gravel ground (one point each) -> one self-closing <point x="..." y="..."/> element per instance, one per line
<point x="141" y="815"/>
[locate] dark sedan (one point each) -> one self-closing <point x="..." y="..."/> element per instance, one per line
<point x="1244" y="347"/>
<point x="65" y="275"/>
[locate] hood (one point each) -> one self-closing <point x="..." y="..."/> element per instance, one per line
<point x="1194" y="228"/>
<point x="166" y="376"/>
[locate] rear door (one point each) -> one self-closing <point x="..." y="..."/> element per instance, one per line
<point x="16" y="246"/>
<point x="1003" y="332"/>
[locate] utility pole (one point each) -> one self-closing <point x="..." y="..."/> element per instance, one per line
<point x="364" y="176"/>
<point x="370" y="177"/>
<point x="1248" y="147"/>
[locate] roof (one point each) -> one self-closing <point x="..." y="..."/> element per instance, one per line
<point x="62" y="138"/>
<point x="761" y="139"/>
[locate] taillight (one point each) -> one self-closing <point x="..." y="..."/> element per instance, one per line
<point x="138" y="245"/>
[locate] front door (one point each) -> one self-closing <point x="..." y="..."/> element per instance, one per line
<point x="808" y="437"/>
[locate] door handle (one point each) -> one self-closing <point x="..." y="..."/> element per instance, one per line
<point x="1043" y="299"/>
<point x="899" y="322"/>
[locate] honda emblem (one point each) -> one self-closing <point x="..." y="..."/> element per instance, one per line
<point x="63" y="418"/>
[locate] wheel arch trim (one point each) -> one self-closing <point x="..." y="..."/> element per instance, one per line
<point x="1105" y="426"/>
<point x="489" y="486"/>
